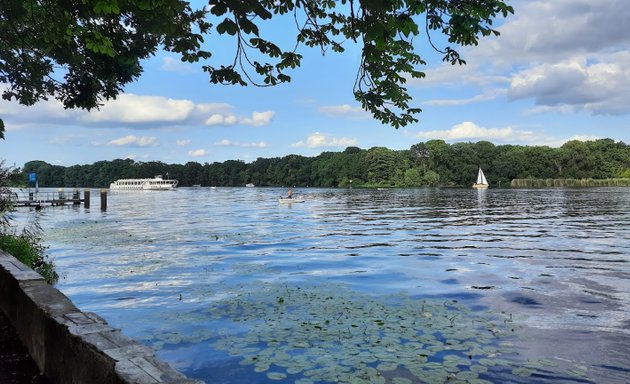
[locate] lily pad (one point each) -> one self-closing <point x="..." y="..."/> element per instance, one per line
<point x="276" y="375"/>
<point x="333" y="334"/>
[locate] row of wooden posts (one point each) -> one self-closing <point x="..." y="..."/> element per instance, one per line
<point x="61" y="197"/>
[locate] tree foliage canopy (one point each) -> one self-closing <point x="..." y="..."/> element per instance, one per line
<point x="83" y="52"/>
<point x="434" y="163"/>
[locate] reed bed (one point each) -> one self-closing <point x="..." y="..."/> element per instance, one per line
<point x="567" y="183"/>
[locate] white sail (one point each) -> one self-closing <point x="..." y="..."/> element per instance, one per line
<point x="481" y="178"/>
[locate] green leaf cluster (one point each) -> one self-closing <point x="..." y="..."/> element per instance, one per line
<point x="85" y="52"/>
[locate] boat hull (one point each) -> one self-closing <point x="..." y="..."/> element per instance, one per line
<point x="480" y="186"/>
<point x="289" y="201"/>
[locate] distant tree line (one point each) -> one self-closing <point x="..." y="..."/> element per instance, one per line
<point x="434" y="163"/>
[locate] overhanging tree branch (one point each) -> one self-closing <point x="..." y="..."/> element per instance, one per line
<point x="100" y="44"/>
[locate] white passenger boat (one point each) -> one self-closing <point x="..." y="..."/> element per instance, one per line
<point x="155" y="184"/>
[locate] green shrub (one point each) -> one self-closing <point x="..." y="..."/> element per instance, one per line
<point x="31" y="254"/>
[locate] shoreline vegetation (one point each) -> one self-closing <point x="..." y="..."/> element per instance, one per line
<point x="27" y="245"/>
<point x="569" y="183"/>
<point x="434" y="163"/>
<point x="30" y="252"/>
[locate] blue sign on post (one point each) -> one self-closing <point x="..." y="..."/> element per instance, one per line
<point x="32" y="177"/>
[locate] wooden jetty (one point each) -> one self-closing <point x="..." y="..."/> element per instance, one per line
<point x="61" y="197"/>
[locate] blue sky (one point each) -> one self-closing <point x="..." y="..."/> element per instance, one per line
<point x="559" y="71"/>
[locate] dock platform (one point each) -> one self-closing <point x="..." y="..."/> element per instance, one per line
<point x="61" y="197"/>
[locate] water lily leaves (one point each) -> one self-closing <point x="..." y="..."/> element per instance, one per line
<point x="548" y="362"/>
<point x="331" y="333"/>
<point x="478" y="369"/>
<point x="292" y="370"/>
<point x="578" y="371"/>
<point x="522" y="371"/>
<point x="313" y="334"/>
<point x="276" y="375"/>
<point x="479" y="381"/>
<point x="384" y="367"/>
<point x="261" y="367"/>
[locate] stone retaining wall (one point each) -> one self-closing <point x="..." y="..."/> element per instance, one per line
<point x="71" y="346"/>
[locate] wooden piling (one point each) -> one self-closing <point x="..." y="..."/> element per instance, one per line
<point x="86" y="198"/>
<point x="75" y="197"/>
<point x="103" y="199"/>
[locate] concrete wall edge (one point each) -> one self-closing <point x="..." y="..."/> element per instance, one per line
<point x="71" y="346"/>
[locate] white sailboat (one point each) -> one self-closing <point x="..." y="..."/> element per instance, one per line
<point x="481" y="183"/>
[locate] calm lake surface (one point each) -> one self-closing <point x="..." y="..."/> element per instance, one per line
<point x="360" y="286"/>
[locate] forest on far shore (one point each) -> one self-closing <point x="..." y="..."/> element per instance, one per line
<point x="432" y="163"/>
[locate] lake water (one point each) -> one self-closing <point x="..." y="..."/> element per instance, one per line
<point x="360" y="286"/>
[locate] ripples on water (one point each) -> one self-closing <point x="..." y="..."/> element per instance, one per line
<point x="555" y="261"/>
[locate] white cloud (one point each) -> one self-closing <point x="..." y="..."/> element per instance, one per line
<point x="172" y="64"/>
<point x="131" y="111"/>
<point x="569" y="53"/>
<point x="469" y="130"/>
<point x="134" y="109"/>
<point x="182" y="142"/>
<point x="488" y="95"/>
<point x="257" y="119"/>
<point x="556" y="142"/>
<point x="472" y="132"/>
<point x="343" y="110"/>
<point x="584" y="138"/>
<point x="558" y="53"/>
<point x="134" y="141"/>
<point x="561" y="109"/>
<point x="319" y="140"/>
<point x="581" y="84"/>
<point x="209" y="108"/>
<point x="226" y="143"/>
<point x="197" y="153"/>
<point x="544" y="31"/>
<point x="260" y="144"/>
<point x="44" y="112"/>
<point x="457" y="75"/>
<point x="230" y="143"/>
<point x="219" y="119"/>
